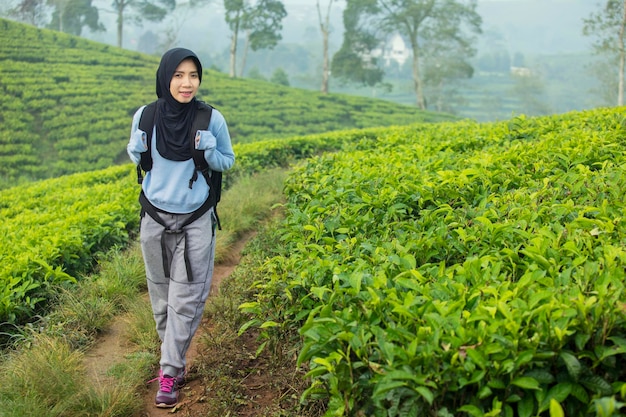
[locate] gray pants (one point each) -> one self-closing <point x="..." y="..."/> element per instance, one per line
<point x="178" y="303"/>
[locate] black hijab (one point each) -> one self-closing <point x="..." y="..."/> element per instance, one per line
<point x="174" y="119"/>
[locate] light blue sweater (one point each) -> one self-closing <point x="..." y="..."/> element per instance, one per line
<point x="166" y="186"/>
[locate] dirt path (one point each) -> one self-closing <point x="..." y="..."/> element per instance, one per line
<point x="111" y="348"/>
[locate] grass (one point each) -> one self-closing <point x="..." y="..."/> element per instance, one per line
<point x="255" y="197"/>
<point x="237" y="369"/>
<point x="46" y="363"/>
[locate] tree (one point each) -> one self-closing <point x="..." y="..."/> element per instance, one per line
<point x="446" y="63"/>
<point x="262" y="22"/>
<point x="279" y="76"/>
<point x="427" y="25"/>
<point x="441" y="73"/>
<point x="139" y="10"/>
<point x="325" y="29"/>
<point x="607" y="87"/>
<point x="71" y="16"/>
<point x="608" y="26"/>
<point x="30" y="11"/>
<point x="354" y="61"/>
<point x="255" y="74"/>
<point x="170" y="29"/>
<point x="264" y="25"/>
<point x="234" y="17"/>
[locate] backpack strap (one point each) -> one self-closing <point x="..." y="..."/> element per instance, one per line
<point x="146" y="123"/>
<point x="200" y="122"/>
<point x="213" y="178"/>
<point x="147" y="207"/>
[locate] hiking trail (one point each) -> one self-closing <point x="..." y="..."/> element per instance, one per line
<point x="111" y="347"/>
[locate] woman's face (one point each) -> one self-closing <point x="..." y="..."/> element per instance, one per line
<point x="185" y="81"/>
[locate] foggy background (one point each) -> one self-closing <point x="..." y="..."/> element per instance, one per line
<point x="544" y="37"/>
<point x="526" y="26"/>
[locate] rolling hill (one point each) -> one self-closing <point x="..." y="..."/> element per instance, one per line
<point x="66" y="104"/>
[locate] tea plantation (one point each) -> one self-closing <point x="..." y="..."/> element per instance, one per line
<point x="66" y="104"/>
<point x="447" y="269"/>
<point x="459" y="269"/>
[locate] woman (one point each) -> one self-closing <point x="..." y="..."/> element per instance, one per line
<point x="178" y="257"/>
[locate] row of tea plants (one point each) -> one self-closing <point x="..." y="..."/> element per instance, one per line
<point x="66" y="104"/>
<point x="459" y="269"/>
<point x="53" y="230"/>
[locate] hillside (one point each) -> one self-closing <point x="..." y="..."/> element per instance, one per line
<point x="458" y="269"/>
<point x="67" y="102"/>
<point x="436" y="269"/>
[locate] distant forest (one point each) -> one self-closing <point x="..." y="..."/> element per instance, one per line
<point x="508" y="77"/>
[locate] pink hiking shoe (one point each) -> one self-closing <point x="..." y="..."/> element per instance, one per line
<point x="167" y="395"/>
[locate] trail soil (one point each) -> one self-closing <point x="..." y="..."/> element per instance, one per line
<point x="111" y="348"/>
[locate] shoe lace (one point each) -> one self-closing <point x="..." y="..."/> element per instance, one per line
<point x="166" y="383"/>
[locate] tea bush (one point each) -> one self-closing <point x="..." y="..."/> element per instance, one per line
<point x="459" y="269"/>
<point x="53" y="230"/>
<point x="66" y="104"/>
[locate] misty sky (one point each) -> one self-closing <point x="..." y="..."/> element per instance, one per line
<point x="526" y="26"/>
<point x="542" y="26"/>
